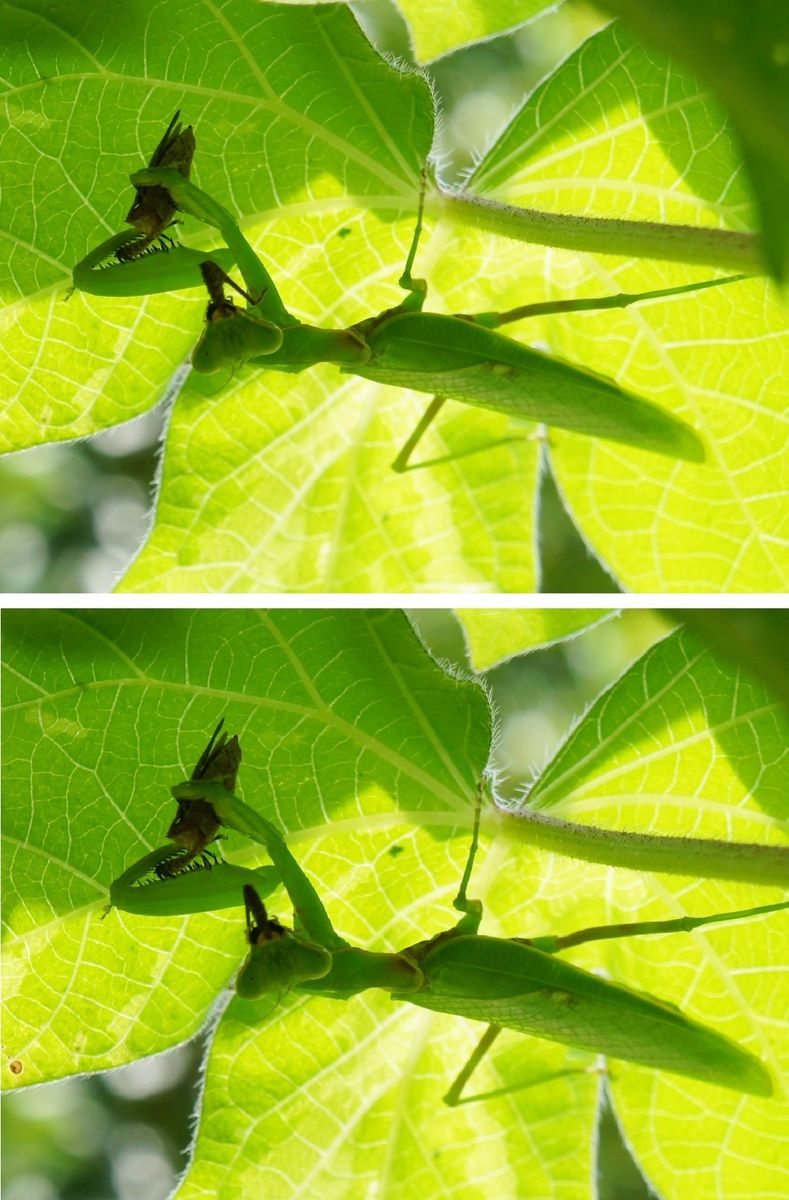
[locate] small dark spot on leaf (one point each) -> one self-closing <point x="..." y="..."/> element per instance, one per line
<point x="344" y="232"/>
<point x="502" y="370"/>
<point x="395" y="850"/>
<point x="561" y="997"/>
<point x="15" y="1067"/>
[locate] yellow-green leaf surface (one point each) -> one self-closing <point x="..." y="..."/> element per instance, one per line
<point x="361" y="747"/>
<point x="438" y="28"/>
<point x="287" y="486"/>
<point x="493" y="635"/>
<point x="276" y="482"/>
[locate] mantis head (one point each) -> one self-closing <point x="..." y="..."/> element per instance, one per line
<point x="277" y="959"/>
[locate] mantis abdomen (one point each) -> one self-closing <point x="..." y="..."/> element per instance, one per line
<point x="458" y="359"/>
<point x="516" y="986"/>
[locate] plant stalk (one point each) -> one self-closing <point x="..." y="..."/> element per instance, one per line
<point x="724" y="249"/>
<point x="706" y="858"/>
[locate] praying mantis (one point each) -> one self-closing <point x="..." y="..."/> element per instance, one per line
<point x="515" y="983"/>
<point x="461" y="357"/>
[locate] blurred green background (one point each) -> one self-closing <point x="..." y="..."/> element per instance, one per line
<point x="124" y="1135"/>
<point x="72" y="515"/>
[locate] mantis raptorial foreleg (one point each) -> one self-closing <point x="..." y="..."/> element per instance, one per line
<point x="228" y="342"/>
<point x="152" y="211"/>
<point x="230" y="333"/>
<point x="352" y="970"/>
<point x="186" y="876"/>
<point x="122" y="265"/>
<point x="199" y="204"/>
<point x="310" y="915"/>
<point x="151" y="272"/>
<point x="163" y="884"/>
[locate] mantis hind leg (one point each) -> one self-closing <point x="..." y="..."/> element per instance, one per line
<point x="454" y="1095"/>
<point x="492" y="320"/>
<point x="402" y="463"/>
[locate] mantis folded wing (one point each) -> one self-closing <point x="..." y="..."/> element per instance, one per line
<point x="515" y="986"/>
<point x="456" y="359"/>
<point x="513" y="983"/>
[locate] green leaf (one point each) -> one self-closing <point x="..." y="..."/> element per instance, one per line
<point x="741" y="52"/>
<point x="493" y="635"/>
<point x="437" y="29"/>
<point x="341" y="715"/>
<point x="681" y="703"/>
<point x="756" y="639"/>
<point x="360" y="746"/>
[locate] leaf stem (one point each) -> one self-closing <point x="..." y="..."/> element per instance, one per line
<point x="706" y="858"/>
<point x="724" y="249"/>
